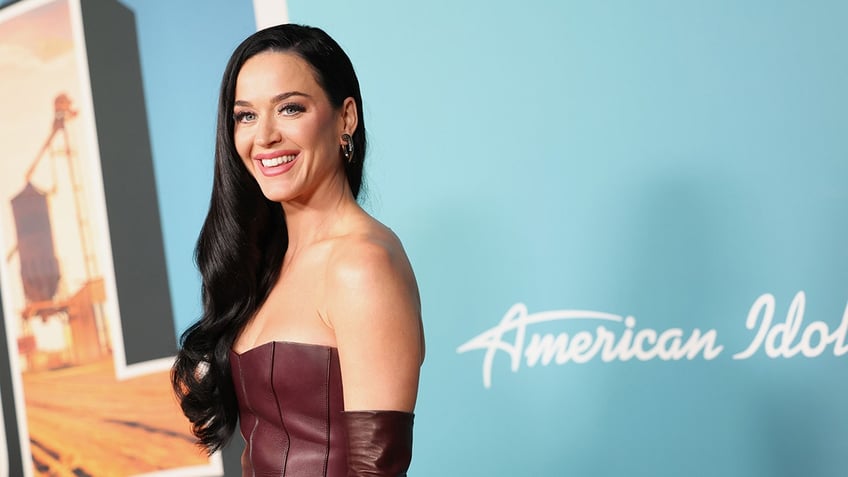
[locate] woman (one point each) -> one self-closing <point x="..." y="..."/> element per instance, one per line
<point x="311" y="334"/>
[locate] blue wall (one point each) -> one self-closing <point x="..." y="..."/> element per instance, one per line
<point x="666" y="160"/>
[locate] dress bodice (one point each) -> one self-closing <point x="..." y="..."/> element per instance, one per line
<point x="290" y="410"/>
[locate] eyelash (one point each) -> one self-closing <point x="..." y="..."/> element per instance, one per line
<point x="241" y="115"/>
<point x="289" y="109"/>
<point x="293" y="108"/>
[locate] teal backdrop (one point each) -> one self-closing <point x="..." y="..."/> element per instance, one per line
<point x="669" y="161"/>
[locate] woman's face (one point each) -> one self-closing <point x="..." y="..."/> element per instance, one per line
<point x="286" y="131"/>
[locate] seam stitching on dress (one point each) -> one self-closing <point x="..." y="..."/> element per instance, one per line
<point x="327" y="406"/>
<point x="279" y="410"/>
<point x="253" y="413"/>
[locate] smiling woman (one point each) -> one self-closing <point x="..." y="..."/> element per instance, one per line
<point x="311" y="334"/>
<point x="283" y="117"/>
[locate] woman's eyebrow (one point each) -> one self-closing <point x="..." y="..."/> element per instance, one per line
<point x="275" y="99"/>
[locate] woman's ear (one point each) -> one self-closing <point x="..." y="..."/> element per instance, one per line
<point x="349" y="117"/>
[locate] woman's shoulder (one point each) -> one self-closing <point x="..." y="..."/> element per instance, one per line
<point x="372" y="298"/>
<point x="367" y="247"/>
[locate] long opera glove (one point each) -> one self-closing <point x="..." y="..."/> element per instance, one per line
<point x="379" y="443"/>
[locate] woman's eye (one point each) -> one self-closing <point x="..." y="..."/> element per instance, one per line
<point x="244" y="116"/>
<point x="291" y="109"/>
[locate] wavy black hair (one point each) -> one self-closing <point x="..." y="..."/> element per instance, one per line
<point x="243" y="240"/>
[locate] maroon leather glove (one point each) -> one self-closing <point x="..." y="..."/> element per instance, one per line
<point x="379" y="443"/>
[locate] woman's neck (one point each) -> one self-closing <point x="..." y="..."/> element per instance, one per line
<point x="319" y="216"/>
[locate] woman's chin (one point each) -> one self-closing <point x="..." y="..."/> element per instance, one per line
<point x="276" y="194"/>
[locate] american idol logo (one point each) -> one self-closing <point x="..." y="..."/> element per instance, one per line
<point x="609" y="337"/>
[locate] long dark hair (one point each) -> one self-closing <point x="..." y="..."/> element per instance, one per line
<point x="243" y="240"/>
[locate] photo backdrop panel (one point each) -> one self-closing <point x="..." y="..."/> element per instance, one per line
<point x="86" y="308"/>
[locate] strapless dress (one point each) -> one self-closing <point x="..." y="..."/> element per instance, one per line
<point x="290" y="410"/>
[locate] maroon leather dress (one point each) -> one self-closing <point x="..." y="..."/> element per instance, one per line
<point x="290" y="410"/>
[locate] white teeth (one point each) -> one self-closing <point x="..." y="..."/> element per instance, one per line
<point x="276" y="161"/>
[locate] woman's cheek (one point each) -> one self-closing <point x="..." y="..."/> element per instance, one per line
<point x="242" y="144"/>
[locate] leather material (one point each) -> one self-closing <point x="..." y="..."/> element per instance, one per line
<point x="379" y="443"/>
<point x="291" y="407"/>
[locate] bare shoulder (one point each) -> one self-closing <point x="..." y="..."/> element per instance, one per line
<point x="374" y="310"/>
<point x="367" y="262"/>
<point x="371" y="252"/>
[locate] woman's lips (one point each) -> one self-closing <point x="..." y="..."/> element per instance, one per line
<point x="275" y="163"/>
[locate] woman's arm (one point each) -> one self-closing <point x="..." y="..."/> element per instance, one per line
<point x="374" y="309"/>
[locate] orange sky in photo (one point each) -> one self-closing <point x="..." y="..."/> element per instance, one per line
<point x="50" y="39"/>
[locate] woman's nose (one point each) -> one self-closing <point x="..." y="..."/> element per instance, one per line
<point x="268" y="134"/>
